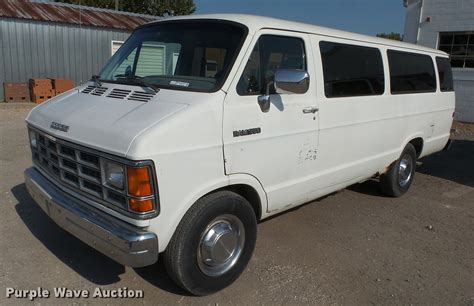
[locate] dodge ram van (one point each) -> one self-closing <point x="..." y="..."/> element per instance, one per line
<point x="201" y="126"/>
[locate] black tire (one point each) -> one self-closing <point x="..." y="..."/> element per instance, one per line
<point x="183" y="256"/>
<point x="394" y="185"/>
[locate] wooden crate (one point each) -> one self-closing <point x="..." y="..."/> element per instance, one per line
<point x="62" y="85"/>
<point x="16" y="92"/>
<point x="39" y="95"/>
<point x="41" y="90"/>
<point x="41" y="83"/>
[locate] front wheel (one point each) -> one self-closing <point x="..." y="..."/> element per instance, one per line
<point x="213" y="243"/>
<point x="397" y="180"/>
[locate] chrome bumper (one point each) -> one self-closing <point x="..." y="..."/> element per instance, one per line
<point x="124" y="243"/>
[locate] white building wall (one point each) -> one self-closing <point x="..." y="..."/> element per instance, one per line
<point x="464" y="87"/>
<point x="412" y="21"/>
<point x="445" y="16"/>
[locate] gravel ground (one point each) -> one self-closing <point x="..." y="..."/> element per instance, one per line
<point x="352" y="247"/>
<point x="463" y="129"/>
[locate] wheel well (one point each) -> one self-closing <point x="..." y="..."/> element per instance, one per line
<point x="418" y="144"/>
<point x="249" y="194"/>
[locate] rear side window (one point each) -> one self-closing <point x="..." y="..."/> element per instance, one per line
<point x="445" y="74"/>
<point x="411" y="73"/>
<point x="351" y="70"/>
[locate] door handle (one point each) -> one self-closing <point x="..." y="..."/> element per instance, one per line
<point x="310" y="110"/>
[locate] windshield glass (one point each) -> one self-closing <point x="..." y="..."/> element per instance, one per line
<point x="190" y="55"/>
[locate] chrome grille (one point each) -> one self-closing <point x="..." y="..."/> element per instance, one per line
<point x="77" y="168"/>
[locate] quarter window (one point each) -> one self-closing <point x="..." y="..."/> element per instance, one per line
<point x="445" y="74"/>
<point x="411" y="73"/>
<point x="351" y="70"/>
<point x="270" y="53"/>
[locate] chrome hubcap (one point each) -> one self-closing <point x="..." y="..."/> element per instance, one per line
<point x="405" y="170"/>
<point x="221" y="245"/>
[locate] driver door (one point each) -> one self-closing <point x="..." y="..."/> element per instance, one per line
<point x="278" y="147"/>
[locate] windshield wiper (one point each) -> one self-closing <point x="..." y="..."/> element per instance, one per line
<point x="96" y="79"/>
<point x="138" y="80"/>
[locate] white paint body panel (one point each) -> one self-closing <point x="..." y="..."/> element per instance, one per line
<point x="282" y="155"/>
<point x="189" y="135"/>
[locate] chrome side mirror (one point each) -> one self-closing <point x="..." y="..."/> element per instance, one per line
<point x="285" y="81"/>
<point x="264" y="100"/>
<point x="291" y="81"/>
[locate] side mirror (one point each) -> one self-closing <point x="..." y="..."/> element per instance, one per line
<point x="264" y="100"/>
<point x="291" y="81"/>
<point x="285" y="81"/>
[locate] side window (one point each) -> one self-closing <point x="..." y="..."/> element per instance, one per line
<point x="411" y="73"/>
<point x="270" y="53"/>
<point x="445" y="74"/>
<point x="351" y="70"/>
<point x="250" y="82"/>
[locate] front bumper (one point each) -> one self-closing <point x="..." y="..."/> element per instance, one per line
<point x="448" y="145"/>
<point x="124" y="243"/>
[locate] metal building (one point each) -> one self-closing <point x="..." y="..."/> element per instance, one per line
<point x="52" y="40"/>
<point x="447" y="25"/>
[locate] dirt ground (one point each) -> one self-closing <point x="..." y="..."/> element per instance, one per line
<point x="352" y="247"/>
<point x="463" y="129"/>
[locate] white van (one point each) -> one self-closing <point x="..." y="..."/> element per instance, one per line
<point x="157" y="155"/>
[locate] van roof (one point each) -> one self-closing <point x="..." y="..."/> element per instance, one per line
<point x="255" y="23"/>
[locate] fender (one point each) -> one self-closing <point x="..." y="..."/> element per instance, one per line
<point x="410" y="138"/>
<point x="166" y="232"/>
<point x="395" y="154"/>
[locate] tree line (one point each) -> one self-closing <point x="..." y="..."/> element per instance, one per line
<point x="150" y="7"/>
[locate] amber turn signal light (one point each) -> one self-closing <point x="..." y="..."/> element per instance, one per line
<point x="141" y="205"/>
<point x="139" y="181"/>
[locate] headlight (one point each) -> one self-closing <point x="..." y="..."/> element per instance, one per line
<point x="114" y="175"/>
<point x="32" y="138"/>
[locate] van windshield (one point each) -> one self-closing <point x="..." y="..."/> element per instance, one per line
<point x="182" y="55"/>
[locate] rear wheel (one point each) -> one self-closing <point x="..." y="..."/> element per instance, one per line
<point x="399" y="177"/>
<point x="213" y="243"/>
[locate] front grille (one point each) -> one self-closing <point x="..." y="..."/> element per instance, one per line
<point x="76" y="167"/>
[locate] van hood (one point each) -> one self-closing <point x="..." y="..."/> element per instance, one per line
<point x="96" y="120"/>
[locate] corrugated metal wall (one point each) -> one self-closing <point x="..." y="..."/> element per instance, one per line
<point x="41" y="49"/>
